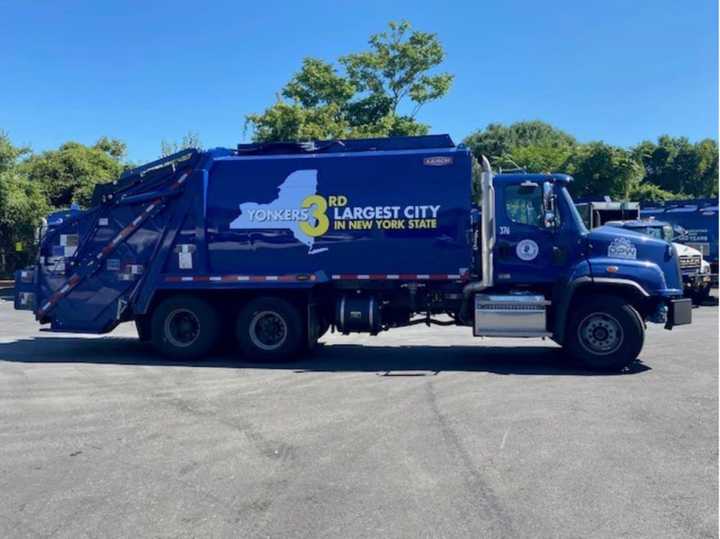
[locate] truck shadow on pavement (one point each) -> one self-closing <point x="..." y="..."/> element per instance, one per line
<point x="389" y="361"/>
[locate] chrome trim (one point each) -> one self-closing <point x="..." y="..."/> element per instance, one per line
<point x="370" y="313"/>
<point x="487" y="235"/>
<point x="342" y="313"/>
<point x="488" y="222"/>
<point x="622" y="282"/>
<point x="510" y="315"/>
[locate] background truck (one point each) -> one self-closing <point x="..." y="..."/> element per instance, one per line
<point x="699" y="218"/>
<point x="695" y="271"/>
<point x="596" y="213"/>
<point x="276" y="243"/>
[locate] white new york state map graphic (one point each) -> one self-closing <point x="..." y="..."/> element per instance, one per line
<point x="296" y="187"/>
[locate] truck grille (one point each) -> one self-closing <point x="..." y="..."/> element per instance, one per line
<point x="690" y="262"/>
<point x="704" y="248"/>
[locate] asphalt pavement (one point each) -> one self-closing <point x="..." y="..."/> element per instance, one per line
<point x="419" y="432"/>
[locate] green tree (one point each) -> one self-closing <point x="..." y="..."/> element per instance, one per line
<point x="505" y="145"/>
<point x="602" y="169"/>
<point x="539" y="158"/>
<point x="22" y="206"/>
<point x="649" y="191"/>
<point x="9" y="154"/>
<point x="676" y="165"/>
<point x="69" y="174"/>
<point x="707" y="179"/>
<point x="113" y="147"/>
<point x="378" y="92"/>
<point x="191" y="139"/>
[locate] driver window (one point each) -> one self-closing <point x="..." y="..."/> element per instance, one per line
<point x="523" y="205"/>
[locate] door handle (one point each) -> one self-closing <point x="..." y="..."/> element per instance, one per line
<point x="505" y="249"/>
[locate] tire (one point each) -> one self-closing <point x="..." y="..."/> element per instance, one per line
<point x="324" y="328"/>
<point x="605" y="333"/>
<point x="142" y="326"/>
<point x="270" y="329"/>
<point x="699" y="295"/>
<point x="185" y="327"/>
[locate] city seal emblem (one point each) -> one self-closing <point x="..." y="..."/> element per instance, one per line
<point x="527" y="250"/>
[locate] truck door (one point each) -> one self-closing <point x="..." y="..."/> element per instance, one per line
<point x="528" y="249"/>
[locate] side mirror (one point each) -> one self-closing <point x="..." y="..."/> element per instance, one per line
<point x="549" y="210"/>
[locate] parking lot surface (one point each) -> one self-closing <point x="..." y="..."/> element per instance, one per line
<point x="418" y="432"/>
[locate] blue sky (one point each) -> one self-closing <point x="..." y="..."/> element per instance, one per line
<point x="143" y="71"/>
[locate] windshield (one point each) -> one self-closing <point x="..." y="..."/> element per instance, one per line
<point x="573" y="211"/>
<point x="657" y="232"/>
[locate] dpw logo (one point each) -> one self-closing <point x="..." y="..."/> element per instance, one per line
<point x="622" y="248"/>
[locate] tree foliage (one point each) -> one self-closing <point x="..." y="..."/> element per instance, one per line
<point x="9" y="154"/>
<point x="377" y="92"/>
<point x="501" y="144"/>
<point x="602" y="169"/>
<point x="22" y="206"/>
<point x="191" y="139"/>
<point x="70" y="173"/>
<point x="676" y="165"/>
<point x="670" y="168"/>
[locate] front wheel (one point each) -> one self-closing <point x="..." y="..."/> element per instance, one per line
<point x="605" y="333"/>
<point x="700" y="294"/>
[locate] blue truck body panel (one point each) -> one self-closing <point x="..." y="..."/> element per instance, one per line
<point x="650" y="262"/>
<point x="370" y="221"/>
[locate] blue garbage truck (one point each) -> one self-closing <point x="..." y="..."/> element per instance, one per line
<point x="274" y="244"/>
<point x="699" y="218"/>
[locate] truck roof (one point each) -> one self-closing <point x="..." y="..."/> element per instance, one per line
<point x="379" y="144"/>
<point x="539" y="178"/>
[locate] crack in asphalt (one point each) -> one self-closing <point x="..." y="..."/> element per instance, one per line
<point x="490" y="508"/>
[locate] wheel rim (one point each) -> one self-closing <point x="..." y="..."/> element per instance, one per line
<point x="182" y="328"/>
<point x="268" y="330"/>
<point x="600" y="334"/>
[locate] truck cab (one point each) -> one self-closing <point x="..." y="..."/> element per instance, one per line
<point x="278" y="243"/>
<point x="601" y="285"/>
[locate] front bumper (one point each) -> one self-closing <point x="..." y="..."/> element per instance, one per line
<point x="679" y="312"/>
<point x="696" y="280"/>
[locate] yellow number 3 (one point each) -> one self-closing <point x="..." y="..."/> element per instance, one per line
<point x="322" y="223"/>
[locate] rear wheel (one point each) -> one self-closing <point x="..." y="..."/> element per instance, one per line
<point x="324" y="328"/>
<point x="605" y="333"/>
<point x="270" y="329"/>
<point x="184" y="327"/>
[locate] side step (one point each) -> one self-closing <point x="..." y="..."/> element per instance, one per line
<point x="512" y="315"/>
